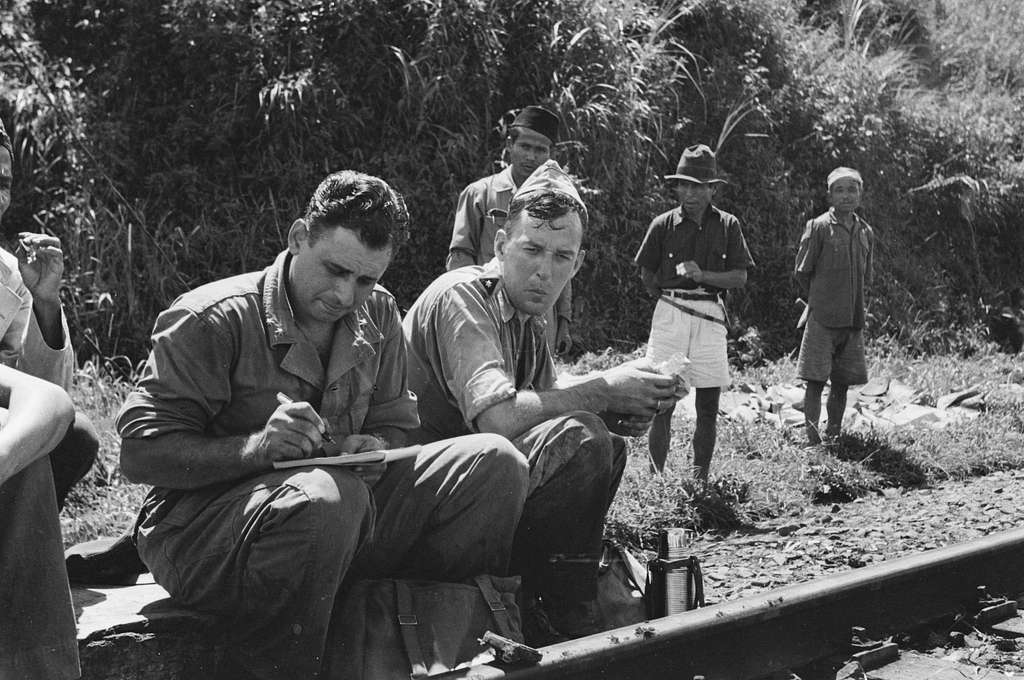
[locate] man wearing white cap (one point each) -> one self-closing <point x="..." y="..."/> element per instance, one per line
<point x="688" y="258"/>
<point x="483" y="209"/>
<point x="833" y="265"/>
<point x="478" y="363"/>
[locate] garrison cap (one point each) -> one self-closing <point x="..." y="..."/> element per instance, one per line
<point x="540" y="120"/>
<point x="550" y="178"/>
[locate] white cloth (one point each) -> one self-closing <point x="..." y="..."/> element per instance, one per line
<point x="21" y="341"/>
<point x="703" y="342"/>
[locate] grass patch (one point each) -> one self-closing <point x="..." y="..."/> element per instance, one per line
<point x="760" y="471"/>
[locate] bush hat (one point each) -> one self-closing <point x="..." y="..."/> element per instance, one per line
<point x="540" y="120"/>
<point x="844" y="173"/>
<point x="697" y="164"/>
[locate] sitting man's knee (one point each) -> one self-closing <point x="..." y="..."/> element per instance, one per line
<point x="331" y="496"/>
<point x="593" y="431"/>
<point x="499" y="457"/>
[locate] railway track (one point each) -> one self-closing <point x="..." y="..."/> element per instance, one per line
<point x="792" y="627"/>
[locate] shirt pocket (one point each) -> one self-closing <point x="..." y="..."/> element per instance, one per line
<point x="837" y="254"/>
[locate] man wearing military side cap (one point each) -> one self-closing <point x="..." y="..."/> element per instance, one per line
<point x="689" y="257"/>
<point x="478" y="363"/>
<point x="483" y="209"/>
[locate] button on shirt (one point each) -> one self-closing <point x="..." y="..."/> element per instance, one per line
<point x="833" y="265"/>
<point x="716" y="244"/>
<point x="223" y="351"/>
<point x="469" y="349"/>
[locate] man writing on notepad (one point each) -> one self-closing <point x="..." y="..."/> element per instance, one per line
<point x="263" y="368"/>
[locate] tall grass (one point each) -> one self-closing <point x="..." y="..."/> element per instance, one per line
<point x="169" y="144"/>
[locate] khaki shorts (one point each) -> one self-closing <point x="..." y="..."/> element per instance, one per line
<point x="703" y="342"/>
<point x="835" y="354"/>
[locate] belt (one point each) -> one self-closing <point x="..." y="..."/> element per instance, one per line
<point x="685" y="295"/>
<point x="693" y="312"/>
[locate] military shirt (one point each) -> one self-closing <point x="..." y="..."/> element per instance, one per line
<point x="716" y="244"/>
<point x="833" y="264"/>
<point x="223" y="351"/>
<point x="469" y="349"/>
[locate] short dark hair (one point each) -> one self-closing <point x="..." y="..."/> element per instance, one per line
<point x="546" y="205"/>
<point x="362" y="203"/>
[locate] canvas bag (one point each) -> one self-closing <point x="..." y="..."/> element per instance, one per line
<point x="399" y="628"/>
<point x="620" y="587"/>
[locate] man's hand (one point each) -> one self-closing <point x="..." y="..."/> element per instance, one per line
<point x="563" y="339"/>
<point x="292" y="431"/>
<point x="626" y="425"/>
<point x="358" y="443"/>
<point x="41" y="263"/>
<point x="654" y="292"/>
<point x="690" y="270"/>
<point x="636" y="390"/>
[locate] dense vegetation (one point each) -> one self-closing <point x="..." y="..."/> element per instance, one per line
<point x="170" y="143"/>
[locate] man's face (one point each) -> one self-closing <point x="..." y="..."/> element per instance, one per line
<point x="844" y="194"/>
<point x="694" y="197"/>
<point x="6" y="179"/>
<point x="538" y="257"/>
<point x="332" y="275"/>
<point x="527" y="153"/>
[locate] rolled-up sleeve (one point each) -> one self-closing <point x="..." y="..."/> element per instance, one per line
<point x="470" y="350"/>
<point x="465" y="244"/>
<point x="185" y="382"/>
<point x="392" y="404"/>
<point x="807" y="256"/>
<point x="55" y="365"/>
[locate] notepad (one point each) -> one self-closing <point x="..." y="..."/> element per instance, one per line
<point x="352" y="459"/>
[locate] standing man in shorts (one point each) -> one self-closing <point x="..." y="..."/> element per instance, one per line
<point x="833" y="265"/>
<point x="689" y="257"/>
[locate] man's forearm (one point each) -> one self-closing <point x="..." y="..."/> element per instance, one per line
<point x="48" y="317"/>
<point x="185" y="460"/>
<point x="735" y="278"/>
<point x="528" y="408"/>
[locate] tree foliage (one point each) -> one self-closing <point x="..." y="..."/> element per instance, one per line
<point x="171" y="143"/>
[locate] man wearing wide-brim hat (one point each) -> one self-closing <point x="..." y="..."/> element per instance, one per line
<point x="483" y="209"/>
<point x="689" y="257"/>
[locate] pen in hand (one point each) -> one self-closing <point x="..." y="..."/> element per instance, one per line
<point x="283" y="398"/>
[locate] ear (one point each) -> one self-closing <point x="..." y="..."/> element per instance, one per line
<point x="297" y="234"/>
<point x="580" y="257"/>
<point x="500" y="241"/>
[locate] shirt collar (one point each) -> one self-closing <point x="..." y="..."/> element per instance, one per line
<point x="710" y="214"/>
<point x="280" y="316"/>
<point x="503" y="181"/>
<point x="505" y="307"/>
<point x="834" y="219"/>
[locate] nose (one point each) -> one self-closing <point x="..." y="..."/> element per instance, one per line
<point x="345" y="292"/>
<point x="544" y="267"/>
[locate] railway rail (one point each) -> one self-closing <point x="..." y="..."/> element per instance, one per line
<point x="791" y="627"/>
